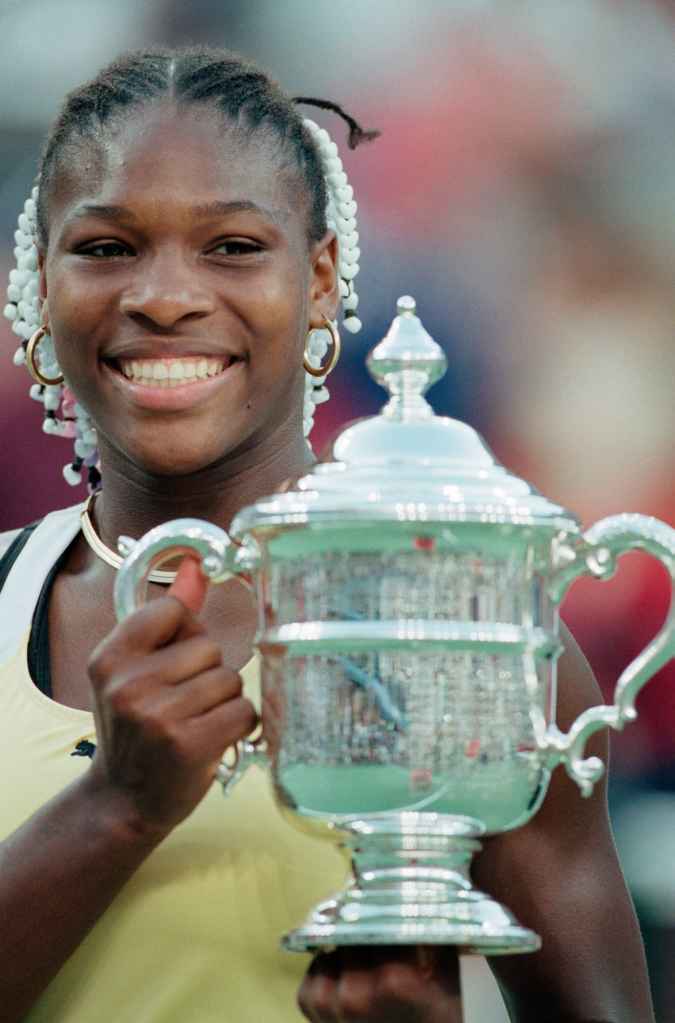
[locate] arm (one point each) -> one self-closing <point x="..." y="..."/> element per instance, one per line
<point x="166" y="709"/>
<point x="59" y="872"/>
<point x="560" y="875"/>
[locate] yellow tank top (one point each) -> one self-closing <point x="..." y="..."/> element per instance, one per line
<point x="194" y="935"/>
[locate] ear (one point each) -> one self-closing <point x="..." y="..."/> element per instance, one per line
<point x="42" y="272"/>
<point x="324" y="294"/>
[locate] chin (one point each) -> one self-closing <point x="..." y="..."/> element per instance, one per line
<point x="176" y="461"/>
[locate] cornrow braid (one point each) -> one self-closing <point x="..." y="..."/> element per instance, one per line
<point x="248" y="99"/>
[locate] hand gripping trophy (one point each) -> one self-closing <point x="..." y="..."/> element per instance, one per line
<point x="408" y="594"/>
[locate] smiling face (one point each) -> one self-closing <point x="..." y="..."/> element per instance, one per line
<point x="181" y="286"/>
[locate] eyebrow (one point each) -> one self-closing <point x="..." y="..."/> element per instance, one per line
<point x="202" y="211"/>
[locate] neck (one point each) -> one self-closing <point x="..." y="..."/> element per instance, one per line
<point x="132" y="502"/>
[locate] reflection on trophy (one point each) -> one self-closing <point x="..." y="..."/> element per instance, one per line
<point x="408" y="597"/>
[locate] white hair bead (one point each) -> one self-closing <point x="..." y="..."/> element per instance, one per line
<point x="345" y="225"/>
<point x="337" y="179"/>
<point x="351" y="302"/>
<point x="53" y="427"/>
<point x="320" y="395"/>
<point x="349" y="270"/>
<point x="352" y="324"/>
<point x="52" y="398"/>
<point x="10" y="311"/>
<point x="19" y="357"/>
<point x="345" y="193"/>
<point x="36" y="392"/>
<point x="71" y="476"/>
<point x="317" y="346"/>
<point x="351" y="255"/>
<point x="30" y="210"/>
<point x="82" y="450"/>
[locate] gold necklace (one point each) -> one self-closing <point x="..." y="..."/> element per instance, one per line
<point x="110" y="557"/>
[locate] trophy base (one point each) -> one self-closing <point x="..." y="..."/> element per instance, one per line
<point x="411" y="886"/>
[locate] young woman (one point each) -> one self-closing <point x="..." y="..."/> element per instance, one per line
<point x="184" y="262"/>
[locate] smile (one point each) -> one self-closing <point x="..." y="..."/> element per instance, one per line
<point x="176" y="384"/>
<point x="172" y="372"/>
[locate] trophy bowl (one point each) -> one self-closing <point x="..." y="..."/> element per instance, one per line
<point x="408" y="632"/>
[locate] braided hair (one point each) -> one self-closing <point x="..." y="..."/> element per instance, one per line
<point x="248" y="99"/>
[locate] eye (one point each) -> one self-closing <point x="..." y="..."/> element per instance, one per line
<point x="236" y="247"/>
<point x="105" y="250"/>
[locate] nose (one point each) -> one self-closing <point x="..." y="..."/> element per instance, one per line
<point x="168" y="289"/>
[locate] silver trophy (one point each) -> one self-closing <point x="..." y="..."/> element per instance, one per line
<point x="408" y="627"/>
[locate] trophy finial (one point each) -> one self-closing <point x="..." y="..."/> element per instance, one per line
<point x="406" y="304"/>
<point x="406" y="363"/>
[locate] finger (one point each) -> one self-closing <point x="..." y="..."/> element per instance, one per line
<point x="317" y="996"/>
<point x="146" y="630"/>
<point x="201" y="694"/>
<point x="217" y="729"/>
<point x="357" y="995"/>
<point x="190" y="584"/>
<point x="172" y="665"/>
<point x="422" y="984"/>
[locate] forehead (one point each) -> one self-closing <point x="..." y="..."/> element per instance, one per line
<point x="164" y="156"/>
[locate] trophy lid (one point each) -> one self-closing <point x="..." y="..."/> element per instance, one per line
<point x="407" y="463"/>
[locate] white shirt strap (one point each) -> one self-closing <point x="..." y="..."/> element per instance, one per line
<point x="22" y="587"/>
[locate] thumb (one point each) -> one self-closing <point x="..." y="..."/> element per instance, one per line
<point x="190" y="584"/>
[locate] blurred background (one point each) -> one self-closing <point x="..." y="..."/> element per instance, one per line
<point x="523" y="190"/>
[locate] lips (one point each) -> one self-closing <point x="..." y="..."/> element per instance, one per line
<point x="172" y="383"/>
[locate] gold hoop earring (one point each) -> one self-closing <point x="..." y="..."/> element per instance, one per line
<point x="31" y="364"/>
<point x="323" y="371"/>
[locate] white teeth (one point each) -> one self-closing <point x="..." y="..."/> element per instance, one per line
<point x="171" y="372"/>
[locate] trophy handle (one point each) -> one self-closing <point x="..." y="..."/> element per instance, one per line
<point x="595" y="553"/>
<point x="246" y="753"/>
<point x="221" y="558"/>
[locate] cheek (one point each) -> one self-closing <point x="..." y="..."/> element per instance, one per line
<point x="74" y="312"/>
